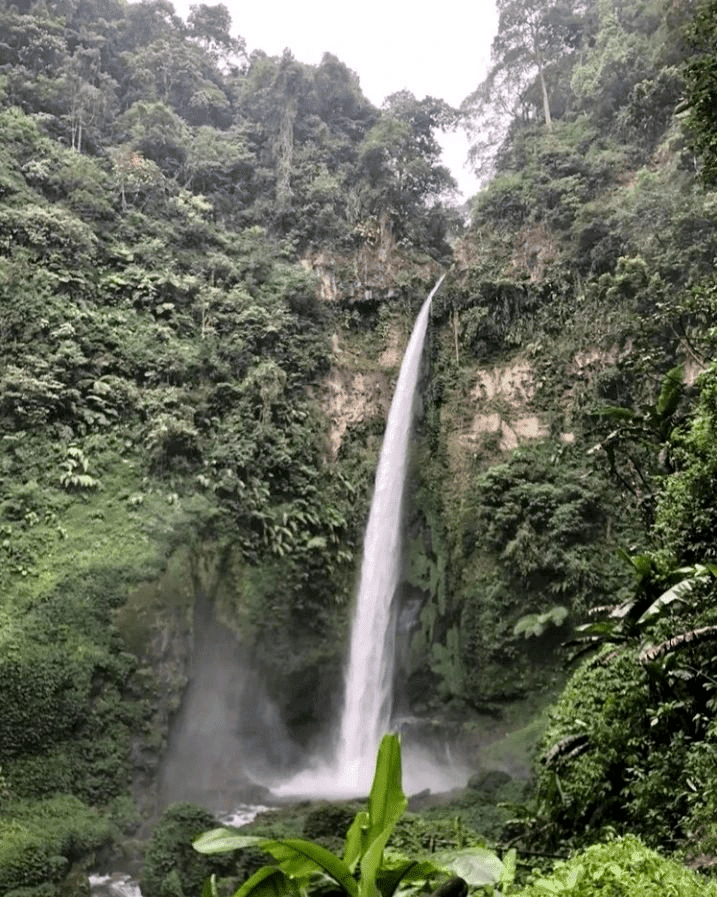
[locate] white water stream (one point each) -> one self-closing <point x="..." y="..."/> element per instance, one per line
<point x="369" y="678"/>
<point x="368" y="689"/>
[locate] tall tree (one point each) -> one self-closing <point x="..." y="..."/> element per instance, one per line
<point x="401" y="156"/>
<point x="533" y="36"/>
<point x="211" y="26"/>
<point x="701" y="87"/>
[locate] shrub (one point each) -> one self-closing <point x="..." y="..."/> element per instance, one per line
<point x="597" y="737"/>
<point x="327" y="824"/>
<point x="40" y="840"/>
<point x="172" y="868"/>
<point x="620" y="868"/>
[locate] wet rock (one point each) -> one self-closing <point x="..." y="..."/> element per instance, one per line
<point x="488" y="783"/>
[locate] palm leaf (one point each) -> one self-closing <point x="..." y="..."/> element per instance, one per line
<point x="694" y="636"/>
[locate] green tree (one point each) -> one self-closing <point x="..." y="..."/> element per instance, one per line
<point x="91" y="95"/>
<point x="157" y="133"/>
<point x="149" y="21"/>
<point x="700" y="75"/>
<point x="607" y="71"/>
<point x="211" y="26"/>
<point x="533" y="38"/>
<point x="182" y="75"/>
<point x="401" y="157"/>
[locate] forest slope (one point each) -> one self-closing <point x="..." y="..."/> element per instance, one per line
<point x="160" y="382"/>
<point x="590" y="265"/>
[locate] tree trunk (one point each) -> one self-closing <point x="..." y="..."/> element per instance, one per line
<point x="544" y="89"/>
<point x="285" y="153"/>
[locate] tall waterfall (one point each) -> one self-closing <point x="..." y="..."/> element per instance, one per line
<point x="369" y="677"/>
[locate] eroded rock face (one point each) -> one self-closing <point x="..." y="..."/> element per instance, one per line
<point x="501" y="399"/>
<point x="350" y="398"/>
<point x="534" y="250"/>
<point x="375" y="267"/>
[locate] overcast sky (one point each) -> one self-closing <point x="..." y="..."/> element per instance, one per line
<point x="440" y="50"/>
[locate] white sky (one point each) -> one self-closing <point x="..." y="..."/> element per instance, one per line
<point x="440" y="50"/>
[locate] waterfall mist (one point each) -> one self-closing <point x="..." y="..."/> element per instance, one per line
<point x="228" y="737"/>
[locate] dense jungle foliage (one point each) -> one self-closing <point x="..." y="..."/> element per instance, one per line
<point x="171" y="212"/>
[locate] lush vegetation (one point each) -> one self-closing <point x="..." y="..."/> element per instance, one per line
<point x="163" y="429"/>
<point x="590" y="265"/>
<point x="193" y="244"/>
<point x="621" y="868"/>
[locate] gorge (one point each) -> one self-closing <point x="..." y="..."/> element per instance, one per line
<point x="226" y="701"/>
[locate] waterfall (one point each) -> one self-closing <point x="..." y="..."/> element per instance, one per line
<point x="369" y="676"/>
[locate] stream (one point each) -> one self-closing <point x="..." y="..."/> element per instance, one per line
<point x="120" y="884"/>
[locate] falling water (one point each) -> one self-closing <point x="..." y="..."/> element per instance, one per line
<point x="369" y="678"/>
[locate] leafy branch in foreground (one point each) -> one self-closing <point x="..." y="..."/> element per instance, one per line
<point x="366" y="869"/>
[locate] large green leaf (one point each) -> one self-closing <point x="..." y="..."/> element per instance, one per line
<point x="510" y="868"/>
<point x="616" y="411"/>
<point x="356" y="838"/>
<point x="477" y="865"/>
<point x="223" y="840"/>
<point x="299" y="859"/>
<point x="269" y="881"/>
<point x="386" y="805"/>
<point x="387" y="801"/>
<point x="371" y="865"/>
<point x="658" y="607"/>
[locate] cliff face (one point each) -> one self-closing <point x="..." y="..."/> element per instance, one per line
<point x="486" y="399"/>
<point x="488" y="422"/>
<point x="351" y="398"/>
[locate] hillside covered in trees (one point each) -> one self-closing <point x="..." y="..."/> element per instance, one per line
<point x="209" y="267"/>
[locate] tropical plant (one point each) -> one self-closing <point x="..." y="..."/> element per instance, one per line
<point x="75" y="470"/>
<point x="631" y="447"/>
<point x="701" y="87"/>
<point x="649" y="603"/>
<point x="367" y="868"/>
<point x="623" y="867"/>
